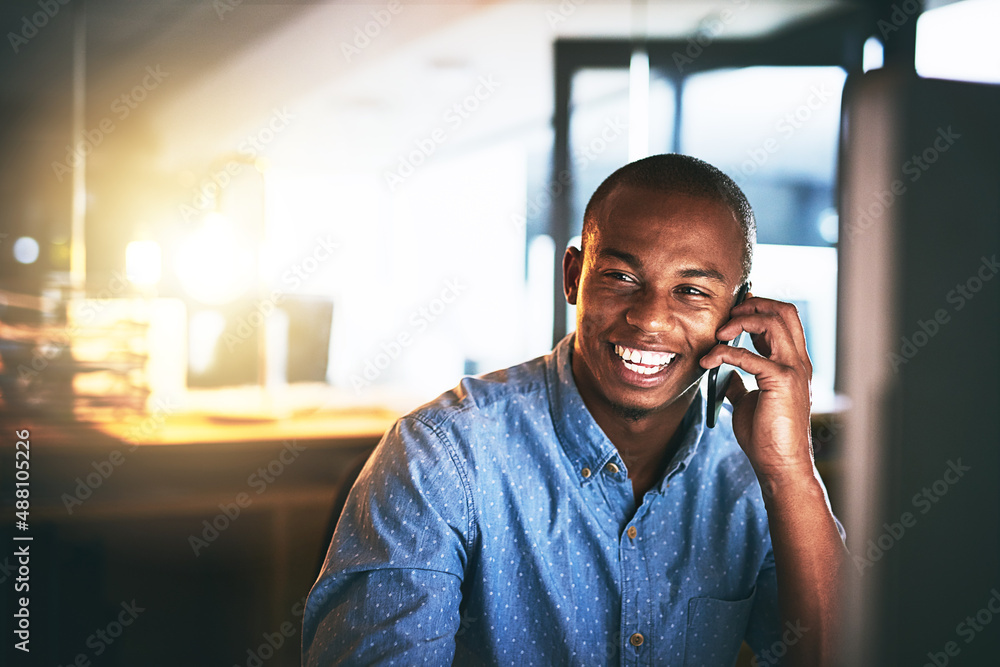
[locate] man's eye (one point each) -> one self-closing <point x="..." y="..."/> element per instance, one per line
<point x="687" y="290"/>
<point x="620" y="277"/>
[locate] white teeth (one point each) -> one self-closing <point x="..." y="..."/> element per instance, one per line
<point x="652" y="362"/>
<point x="642" y="370"/>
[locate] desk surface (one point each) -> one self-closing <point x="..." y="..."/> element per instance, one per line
<point x="232" y="415"/>
<point x="189" y="429"/>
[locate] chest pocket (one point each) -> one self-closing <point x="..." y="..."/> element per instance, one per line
<point x="715" y="630"/>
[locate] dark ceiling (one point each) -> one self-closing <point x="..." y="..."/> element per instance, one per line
<point x="36" y="63"/>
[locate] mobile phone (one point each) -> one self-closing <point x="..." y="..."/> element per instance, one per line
<point x="719" y="377"/>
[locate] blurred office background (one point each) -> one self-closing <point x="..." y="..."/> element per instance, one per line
<point x="230" y="230"/>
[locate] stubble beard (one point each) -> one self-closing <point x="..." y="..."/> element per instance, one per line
<point x="630" y="413"/>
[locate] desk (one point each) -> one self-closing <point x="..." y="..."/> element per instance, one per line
<point x="130" y="536"/>
<point x="332" y="427"/>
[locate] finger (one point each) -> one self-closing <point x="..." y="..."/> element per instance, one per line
<point x="741" y="358"/>
<point x="778" y="342"/>
<point x="788" y="314"/>
<point x="770" y="376"/>
<point x="793" y="323"/>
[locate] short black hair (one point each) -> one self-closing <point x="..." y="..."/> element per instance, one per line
<point x="683" y="174"/>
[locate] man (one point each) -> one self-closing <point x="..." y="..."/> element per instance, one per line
<point x="575" y="509"/>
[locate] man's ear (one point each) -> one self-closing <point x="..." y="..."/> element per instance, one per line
<point x="572" y="267"/>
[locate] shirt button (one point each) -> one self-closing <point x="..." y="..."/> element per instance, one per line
<point x="636" y="639"/>
<point x="611" y="468"/>
<point x="632" y="532"/>
<point x="585" y="472"/>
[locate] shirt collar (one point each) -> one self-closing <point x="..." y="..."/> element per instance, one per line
<point x="586" y="445"/>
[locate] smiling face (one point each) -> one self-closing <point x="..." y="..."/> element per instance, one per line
<point x="657" y="277"/>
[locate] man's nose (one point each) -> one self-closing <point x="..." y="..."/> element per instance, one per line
<point x="651" y="312"/>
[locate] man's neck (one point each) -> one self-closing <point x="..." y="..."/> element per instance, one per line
<point x="646" y="444"/>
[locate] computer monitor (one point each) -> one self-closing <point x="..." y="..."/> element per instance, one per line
<point x="917" y="357"/>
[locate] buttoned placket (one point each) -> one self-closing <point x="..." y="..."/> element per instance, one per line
<point x="637" y="596"/>
<point x="636" y="582"/>
<point x="633" y="641"/>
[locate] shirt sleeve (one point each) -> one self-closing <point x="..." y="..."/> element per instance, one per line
<point x="390" y="588"/>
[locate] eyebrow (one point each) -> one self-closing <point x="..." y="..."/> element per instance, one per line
<point x="626" y="257"/>
<point x="710" y="274"/>
<point x="694" y="272"/>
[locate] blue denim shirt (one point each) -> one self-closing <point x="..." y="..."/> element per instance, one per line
<point x="496" y="525"/>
